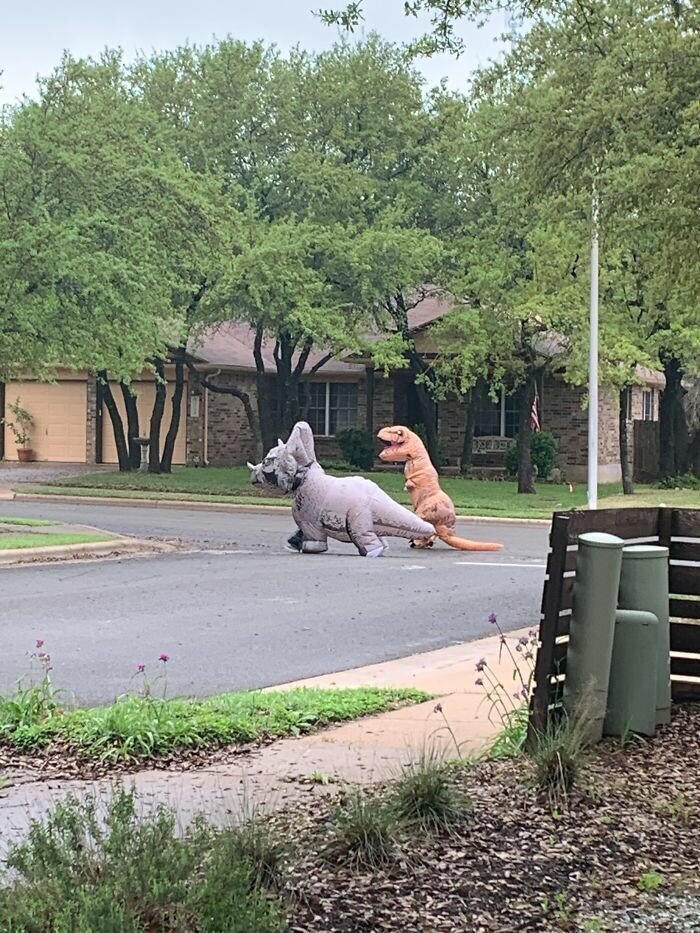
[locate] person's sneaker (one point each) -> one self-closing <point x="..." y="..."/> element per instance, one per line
<point x="295" y="542"/>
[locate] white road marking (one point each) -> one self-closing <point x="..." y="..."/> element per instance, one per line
<point x="485" y="563"/>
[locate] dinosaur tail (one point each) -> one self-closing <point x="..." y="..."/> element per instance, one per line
<point x="462" y="544"/>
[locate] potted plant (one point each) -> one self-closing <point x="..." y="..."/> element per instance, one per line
<point x="20" y="427"/>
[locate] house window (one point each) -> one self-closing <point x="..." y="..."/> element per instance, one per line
<point x="332" y="406"/>
<point x="496" y="419"/>
<point x="648" y="405"/>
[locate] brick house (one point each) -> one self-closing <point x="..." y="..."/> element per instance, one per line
<point x="72" y="426"/>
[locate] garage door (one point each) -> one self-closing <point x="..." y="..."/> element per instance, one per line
<point x="59" y="411"/>
<point x="145" y="393"/>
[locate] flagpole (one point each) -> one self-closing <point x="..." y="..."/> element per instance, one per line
<point x="593" y="364"/>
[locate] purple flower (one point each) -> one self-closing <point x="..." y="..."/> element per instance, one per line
<point x="164" y="658"/>
<point x="40" y="642"/>
<point x="438" y="708"/>
<point x="140" y="668"/>
<point x="493" y="618"/>
<point x="479" y="681"/>
<point x="480" y="665"/>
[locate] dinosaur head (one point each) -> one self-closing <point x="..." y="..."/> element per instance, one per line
<point x="285" y="466"/>
<point x="401" y="444"/>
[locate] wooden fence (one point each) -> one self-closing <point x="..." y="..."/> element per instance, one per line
<point x="677" y="529"/>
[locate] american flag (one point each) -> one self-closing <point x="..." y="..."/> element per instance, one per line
<point x="534" y="416"/>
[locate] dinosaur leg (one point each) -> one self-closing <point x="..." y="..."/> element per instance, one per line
<point x="423" y="542"/>
<point x="360" y="529"/>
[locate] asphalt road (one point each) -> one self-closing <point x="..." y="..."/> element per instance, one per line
<point x="233" y="610"/>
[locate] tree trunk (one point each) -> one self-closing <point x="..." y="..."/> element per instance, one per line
<point x="694" y="452"/>
<point x="166" y="461"/>
<point x="625" y="452"/>
<point x="117" y="425"/>
<point x="674" y="454"/>
<point x="427" y="408"/>
<point x="526" y="392"/>
<point x="132" y="425"/>
<point x="156" y="419"/>
<point x="470" y="400"/>
<point x="253" y="422"/>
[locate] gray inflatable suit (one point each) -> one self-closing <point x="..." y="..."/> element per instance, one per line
<point x="347" y="508"/>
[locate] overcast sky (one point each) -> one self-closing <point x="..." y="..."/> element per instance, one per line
<point x="34" y="35"/>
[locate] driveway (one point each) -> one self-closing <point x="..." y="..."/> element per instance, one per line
<point x="14" y="474"/>
<point x="233" y="610"/>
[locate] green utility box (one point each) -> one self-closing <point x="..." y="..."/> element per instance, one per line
<point x="592" y="630"/>
<point x="644" y="585"/>
<point x="633" y="674"/>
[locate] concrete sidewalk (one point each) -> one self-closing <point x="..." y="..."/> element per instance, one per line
<point x="366" y="751"/>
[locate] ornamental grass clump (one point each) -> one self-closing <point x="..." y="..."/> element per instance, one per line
<point x="558" y="753"/>
<point x="426" y="798"/>
<point x="362" y="832"/>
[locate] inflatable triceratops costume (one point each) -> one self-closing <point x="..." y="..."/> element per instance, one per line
<point x="348" y="508"/>
<point x="429" y="501"/>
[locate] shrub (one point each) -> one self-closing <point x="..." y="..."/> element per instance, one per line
<point x="543" y="449"/>
<point x="686" y="481"/>
<point x="357" y="446"/>
<point x="362" y="831"/>
<point x="80" y="872"/>
<point x="426" y="797"/>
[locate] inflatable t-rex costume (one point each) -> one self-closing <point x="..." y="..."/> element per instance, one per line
<point x="429" y="501"/>
<point x="350" y="508"/>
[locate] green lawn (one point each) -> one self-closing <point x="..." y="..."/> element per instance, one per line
<point x="47" y="539"/>
<point x="471" y="497"/>
<point x="136" y="727"/>
<point x="27" y="522"/>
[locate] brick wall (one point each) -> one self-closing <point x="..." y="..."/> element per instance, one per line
<point x="194" y="425"/>
<point x="229" y="438"/>
<point x="91" y="419"/>
<point x="565" y="417"/>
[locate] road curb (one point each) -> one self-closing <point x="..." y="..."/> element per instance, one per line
<point x="118" y="547"/>
<point x="199" y="505"/>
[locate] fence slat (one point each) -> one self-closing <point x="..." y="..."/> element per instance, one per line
<point x="625" y="523"/>
<point x="685" y="636"/>
<point x="685" y="667"/>
<point x="685" y="550"/>
<point x="684" y="608"/>
<point x="548" y="626"/>
<point x="570" y="564"/>
<point x="684" y="581"/>
<point x="685" y="523"/>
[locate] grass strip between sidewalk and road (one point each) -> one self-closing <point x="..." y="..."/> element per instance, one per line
<point x="26" y="522"/>
<point x="12" y="541"/>
<point x="489" y="498"/>
<point x="139" y="728"/>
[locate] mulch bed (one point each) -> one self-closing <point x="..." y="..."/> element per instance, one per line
<point x="61" y="760"/>
<point x="516" y="866"/>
